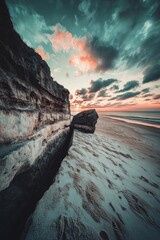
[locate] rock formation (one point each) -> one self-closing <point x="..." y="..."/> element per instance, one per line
<point x="30" y="98"/>
<point x="85" y="121"/>
<point x="34" y="110"/>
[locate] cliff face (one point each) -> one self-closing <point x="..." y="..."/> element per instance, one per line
<point x="29" y="98"/>
<point x="34" y="110"/>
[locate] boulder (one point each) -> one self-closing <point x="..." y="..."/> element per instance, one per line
<point x="85" y="121"/>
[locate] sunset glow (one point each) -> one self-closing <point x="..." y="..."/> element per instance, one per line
<point x="113" y="54"/>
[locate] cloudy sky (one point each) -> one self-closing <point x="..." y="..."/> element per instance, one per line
<point x="106" y="52"/>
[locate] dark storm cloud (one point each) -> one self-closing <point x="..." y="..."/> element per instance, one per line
<point x="128" y="95"/>
<point x="139" y="37"/>
<point x="152" y="74"/>
<point x="127" y="31"/>
<point x="156" y="13"/>
<point x="103" y="52"/>
<point x="61" y="11"/>
<point x="125" y="96"/>
<point x="129" y="85"/>
<point x="99" y="84"/>
<point x="148" y="53"/>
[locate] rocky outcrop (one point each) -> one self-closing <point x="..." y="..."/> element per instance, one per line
<point x="85" y="121"/>
<point x="34" y="110"/>
<point x="29" y="97"/>
<point x="18" y="200"/>
<point x="33" y="107"/>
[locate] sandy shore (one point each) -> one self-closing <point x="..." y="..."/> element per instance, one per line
<point x="144" y="139"/>
<point x="110" y="182"/>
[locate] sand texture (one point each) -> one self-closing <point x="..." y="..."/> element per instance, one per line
<point x="109" y="183"/>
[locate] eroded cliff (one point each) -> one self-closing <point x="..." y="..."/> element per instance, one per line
<point x="30" y="98"/>
<point x="34" y="110"/>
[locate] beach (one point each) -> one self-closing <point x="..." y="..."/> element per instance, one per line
<point x="108" y="187"/>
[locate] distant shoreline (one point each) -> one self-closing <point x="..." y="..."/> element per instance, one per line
<point x="135" y="122"/>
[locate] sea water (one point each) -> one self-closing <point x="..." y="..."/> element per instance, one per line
<point x="147" y="118"/>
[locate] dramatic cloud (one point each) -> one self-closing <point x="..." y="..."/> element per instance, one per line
<point x="92" y="54"/>
<point x="101" y="39"/>
<point x="85" y="63"/>
<point x="96" y="56"/>
<point x="81" y="92"/>
<point x="40" y="50"/>
<point x="152" y="74"/>
<point x="104" y="53"/>
<point x="125" y="96"/>
<point x="99" y="84"/>
<point x="31" y="25"/>
<point x="128" y="95"/>
<point x="64" y="40"/>
<point x="129" y="85"/>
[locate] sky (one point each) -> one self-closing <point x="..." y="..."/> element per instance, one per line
<point x="105" y="52"/>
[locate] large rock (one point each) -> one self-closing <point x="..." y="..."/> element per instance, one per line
<point x="85" y="121"/>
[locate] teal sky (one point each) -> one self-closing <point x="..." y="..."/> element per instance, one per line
<point x="107" y="53"/>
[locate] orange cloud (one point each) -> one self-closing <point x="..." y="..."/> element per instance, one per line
<point x="84" y="63"/>
<point x="42" y="53"/>
<point x="64" y="40"/>
<point x="91" y="53"/>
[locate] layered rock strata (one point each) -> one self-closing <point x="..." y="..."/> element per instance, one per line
<point x="34" y="110"/>
<point x="29" y="98"/>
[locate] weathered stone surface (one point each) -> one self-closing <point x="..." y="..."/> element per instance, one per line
<point x="85" y="121"/>
<point x="29" y="97"/>
<point x="18" y="201"/>
<point x="34" y="110"/>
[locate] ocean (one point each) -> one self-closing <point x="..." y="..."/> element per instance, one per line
<point x="146" y="118"/>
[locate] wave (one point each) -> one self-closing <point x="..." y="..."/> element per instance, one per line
<point x="149" y="120"/>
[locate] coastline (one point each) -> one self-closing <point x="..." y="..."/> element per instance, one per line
<point x="154" y="129"/>
<point x="109" y="182"/>
<point x="136" y="122"/>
